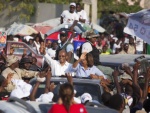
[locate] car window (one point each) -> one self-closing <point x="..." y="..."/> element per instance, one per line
<point x="93" y="89"/>
<point x="20" y="51"/>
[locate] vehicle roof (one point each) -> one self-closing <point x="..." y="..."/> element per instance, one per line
<point x="118" y="59"/>
<point x="44" y="107"/>
<point x="76" y="80"/>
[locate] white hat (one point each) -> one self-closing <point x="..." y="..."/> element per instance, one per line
<point x="47" y="97"/>
<point x="11" y="59"/>
<point x="85" y="97"/>
<point x="73" y="4"/>
<point x="86" y="47"/>
<point x="78" y="101"/>
<point x="22" y="89"/>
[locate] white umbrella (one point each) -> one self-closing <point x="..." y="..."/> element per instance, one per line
<point x="21" y="29"/>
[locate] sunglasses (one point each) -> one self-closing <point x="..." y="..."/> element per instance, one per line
<point x="62" y="56"/>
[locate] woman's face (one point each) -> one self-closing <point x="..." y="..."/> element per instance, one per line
<point x="84" y="62"/>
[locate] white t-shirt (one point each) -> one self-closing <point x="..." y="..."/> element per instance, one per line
<point x="116" y="46"/>
<point x="69" y="18"/>
<point x="82" y="15"/>
<point x="139" y="44"/>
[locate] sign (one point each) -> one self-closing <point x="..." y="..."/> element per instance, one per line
<point x="3" y="38"/>
<point x="139" y="25"/>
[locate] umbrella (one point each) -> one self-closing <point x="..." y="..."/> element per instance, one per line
<point x="21" y="29"/>
<point x="42" y="29"/>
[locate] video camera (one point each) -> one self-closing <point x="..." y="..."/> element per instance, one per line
<point x="144" y="64"/>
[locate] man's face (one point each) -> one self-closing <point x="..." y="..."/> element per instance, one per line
<point x="62" y="57"/>
<point x="78" y="8"/>
<point x="27" y="65"/>
<point x="72" y="8"/>
<point x="63" y="38"/>
<point x="93" y="40"/>
<point x="48" y="44"/>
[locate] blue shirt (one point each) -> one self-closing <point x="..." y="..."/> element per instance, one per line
<point x="81" y="72"/>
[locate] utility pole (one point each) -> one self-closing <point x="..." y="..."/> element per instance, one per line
<point x="93" y="4"/>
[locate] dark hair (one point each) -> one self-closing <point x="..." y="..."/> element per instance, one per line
<point x="78" y="4"/>
<point x="105" y="98"/>
<point x="66" y="93"/>
<point x="116" y="102"/>
<point x="2" y="111"/>
<point x="89" y="59"/>
<point x="146" y="105"/>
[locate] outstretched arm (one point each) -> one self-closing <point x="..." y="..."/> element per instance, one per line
<point x="82" y="57"/>
<point x="115" y="75"/>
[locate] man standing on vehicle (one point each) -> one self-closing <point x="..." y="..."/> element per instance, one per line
<point x="69" y="19"/>
<point x="66" y="45"/>
<point x="83" y="19"/>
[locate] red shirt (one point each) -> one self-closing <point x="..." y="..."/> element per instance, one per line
<point x="75" y="108"/>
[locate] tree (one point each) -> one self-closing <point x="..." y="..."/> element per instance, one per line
<point x="117" y="6"/>
<point x="26" y="8"/>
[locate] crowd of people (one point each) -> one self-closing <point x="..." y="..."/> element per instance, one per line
<point x="130" y="94"/>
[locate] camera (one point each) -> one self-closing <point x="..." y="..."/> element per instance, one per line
<point x="144" y="64"/>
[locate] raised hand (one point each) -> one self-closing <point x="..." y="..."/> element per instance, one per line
<point x="148" y="74"/>
<point x="42" y="50"/>
<point x="69" y="78"/>
<point x="52" y="87"/>
<point x="136" y="66"/>
<point x="115" y="73"/>
<point x="11" y="51"/>
<point x="9" y="77"/>
<point x="83" y="56"/>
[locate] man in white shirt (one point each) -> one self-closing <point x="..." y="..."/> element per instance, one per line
<point x="83" y="19"/>
<point x="58" y="67"/>
<point x="69" y="19"/>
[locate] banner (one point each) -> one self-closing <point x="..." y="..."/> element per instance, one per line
<point x="3" y="38"/>
<point x="139" y="25"/>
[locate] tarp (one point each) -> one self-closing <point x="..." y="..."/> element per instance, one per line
<point x="52" y="23"/>
<point x="42" y="29"/>
<point x="20" y="29"/>
<point x="139" y="25"/>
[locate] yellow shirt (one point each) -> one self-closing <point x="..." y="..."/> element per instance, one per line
<point x="107" y="53"/>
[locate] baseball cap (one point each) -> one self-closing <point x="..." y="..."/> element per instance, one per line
<point x="63" y="32"/>
<point x="73" y="4"/>
<point x="86" y="97"/>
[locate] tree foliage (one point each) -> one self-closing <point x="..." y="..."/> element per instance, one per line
<point x="120" y="6"/>
<point x="25" y="8"/>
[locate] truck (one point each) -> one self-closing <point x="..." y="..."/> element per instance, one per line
<point x="19" y="49"/>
